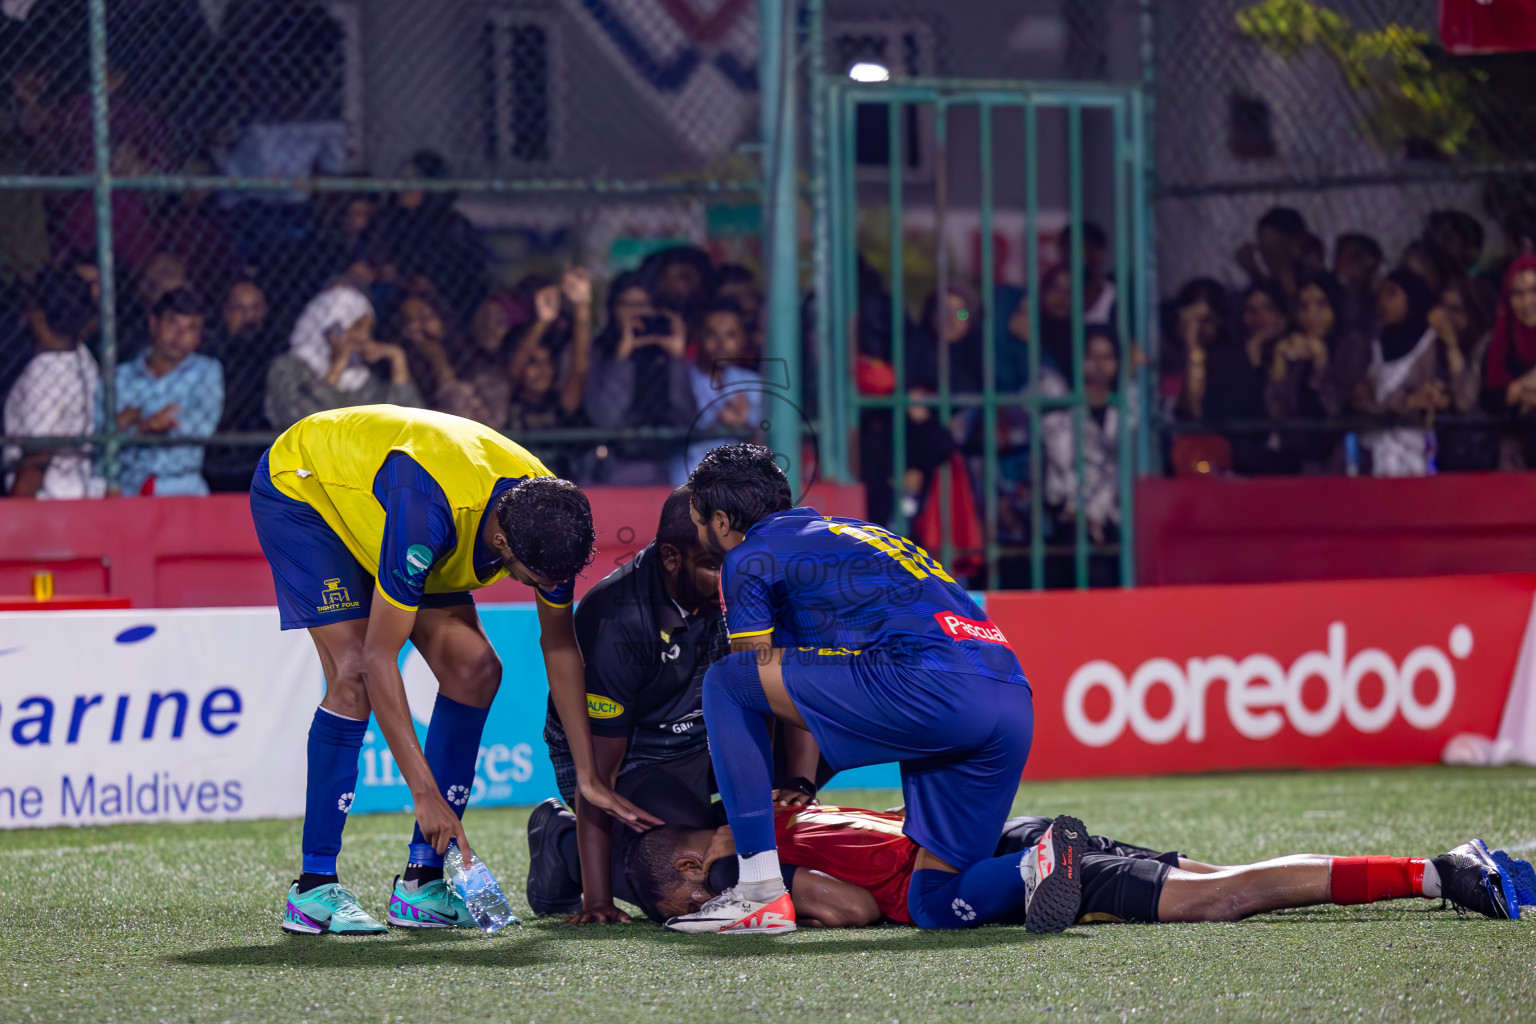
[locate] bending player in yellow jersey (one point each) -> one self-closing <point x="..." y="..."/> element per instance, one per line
<point x="378" y="521"/>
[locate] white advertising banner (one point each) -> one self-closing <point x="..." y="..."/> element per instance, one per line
<point x="119" y="716"/>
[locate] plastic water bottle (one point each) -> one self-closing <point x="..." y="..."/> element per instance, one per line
<point x="479" y="890"/>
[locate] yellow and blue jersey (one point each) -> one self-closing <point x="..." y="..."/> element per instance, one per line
<point x="842" y="585"/>
<point x="405" y="492"/>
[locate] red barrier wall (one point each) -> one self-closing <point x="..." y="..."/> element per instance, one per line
<point x="202" y="552"/>
<point x="1328" y="528"/>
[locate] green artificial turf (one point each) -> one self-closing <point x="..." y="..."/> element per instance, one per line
<point x="180" y="923"/>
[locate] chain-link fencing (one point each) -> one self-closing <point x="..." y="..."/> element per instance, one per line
<point x="1349" y="112"/>
<point x="315" y="204"/>
<point x="383" y="201"/>
<point x="1307" y="152"/>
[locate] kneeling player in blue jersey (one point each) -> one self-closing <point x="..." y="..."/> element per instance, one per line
<point x="842" y="628"/>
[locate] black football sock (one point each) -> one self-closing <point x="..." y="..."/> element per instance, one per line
<point x="421" y="874"/>
<point x="308" y="881"/>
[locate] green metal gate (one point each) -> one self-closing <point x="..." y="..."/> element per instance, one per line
<point x="1000" y="106"/>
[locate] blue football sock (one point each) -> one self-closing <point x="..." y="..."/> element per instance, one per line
<point x="451" y="750"/>
<point x="334" y="742"/>
<point x="986" y="891"/>
<point x="736" y="715"/>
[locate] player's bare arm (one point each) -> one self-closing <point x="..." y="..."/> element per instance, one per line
<point x="388" y="629"/>
<point x="568" y="690"/>
<point x="802" y="752"/>
<point x="595" y="841"/>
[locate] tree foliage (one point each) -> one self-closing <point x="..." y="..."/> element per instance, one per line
<point x="1417" y="97"/>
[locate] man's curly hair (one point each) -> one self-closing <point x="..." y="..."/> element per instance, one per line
<point x="548" y="523"/>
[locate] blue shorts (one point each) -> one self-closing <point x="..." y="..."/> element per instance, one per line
<point x="962" y="740"/>
<point x="318" y="581"/>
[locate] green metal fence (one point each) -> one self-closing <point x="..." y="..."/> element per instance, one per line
<point x="999" y="106"/>
<point x="99" y="64"/>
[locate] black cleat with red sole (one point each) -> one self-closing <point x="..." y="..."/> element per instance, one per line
<point x="1053" y="871"/>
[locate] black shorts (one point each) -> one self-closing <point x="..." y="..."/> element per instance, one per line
<point x="317" y="578"/>
<point x="1121" y="882"/>
<point x="676" y="791"/>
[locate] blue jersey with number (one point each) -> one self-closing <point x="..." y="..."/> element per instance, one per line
<point x="823" y="582"/>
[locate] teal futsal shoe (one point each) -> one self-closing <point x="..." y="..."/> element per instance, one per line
<point x="432" y="904"/>
<point x="327" y="910"/>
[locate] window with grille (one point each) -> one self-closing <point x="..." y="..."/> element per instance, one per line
<point x="521" y="58"/>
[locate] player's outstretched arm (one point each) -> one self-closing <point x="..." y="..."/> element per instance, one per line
<point x="389" y="627"/>
<point x="568" y="690"/>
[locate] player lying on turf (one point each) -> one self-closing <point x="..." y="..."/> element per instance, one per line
<point x="378" y="521"/>
<point x="847" y="867"/>
<point x="842" y="628"/>
<point x="648" y="632"/>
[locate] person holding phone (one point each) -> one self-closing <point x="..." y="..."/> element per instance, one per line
<point x="334" y="362"/>
<point x="639" y="378"/>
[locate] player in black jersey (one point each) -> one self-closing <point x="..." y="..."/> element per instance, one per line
<point x="647" y="634"/>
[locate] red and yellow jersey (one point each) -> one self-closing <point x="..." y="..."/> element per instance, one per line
<point x="863" y="848"/>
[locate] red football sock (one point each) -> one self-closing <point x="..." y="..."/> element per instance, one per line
<point x="1369" y="879"/>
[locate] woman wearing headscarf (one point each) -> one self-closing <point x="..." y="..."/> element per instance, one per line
<point x="1509" y="374"/>
<point x="680" y="279"/>
<point x="1234" y="378"/>
<point x="422" y="326"/>
<point x="1414" y="372"/>
<point x="482" y="363"/>
<point x="948" y="333"/>
<point x="1102" y="423"/>
<point x="333" y="361"/>
<point x="1196" y="323"/>
<point x="930" y="441"/>
<point x="1056" y="318"/>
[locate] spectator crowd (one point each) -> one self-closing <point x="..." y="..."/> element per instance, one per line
<point x="1311" y="365"/>
<point x="1356" y="365"/>
<point x="675" y="347"/>
<point x="242" y="311"/>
